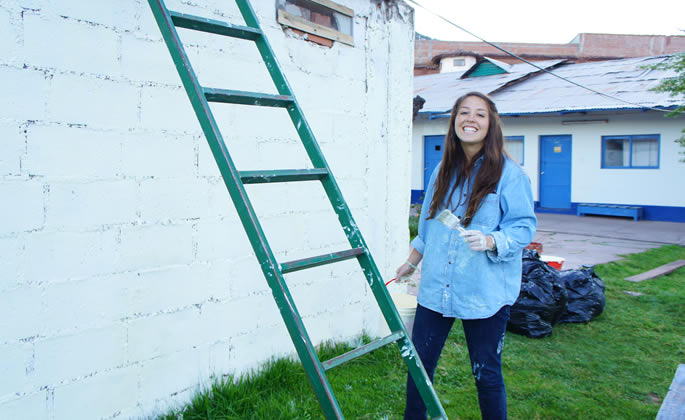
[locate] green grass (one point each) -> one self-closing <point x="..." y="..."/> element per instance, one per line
<point x="413" y="227"/>
<point x="619" y="366"/>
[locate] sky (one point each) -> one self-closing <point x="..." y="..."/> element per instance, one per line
<point x="545" y="21"/>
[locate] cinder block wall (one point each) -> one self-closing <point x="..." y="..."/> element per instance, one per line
<point x="126" y="280"/>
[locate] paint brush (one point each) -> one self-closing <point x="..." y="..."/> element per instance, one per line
<point x="448" y="219"/>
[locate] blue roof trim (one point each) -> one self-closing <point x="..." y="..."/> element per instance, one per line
<point x="578" y="111"/>
<point x="432" y="115"/>
<point x="436" y="115"/>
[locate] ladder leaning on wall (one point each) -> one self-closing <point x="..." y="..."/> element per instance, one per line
<point x="235" y="182"/>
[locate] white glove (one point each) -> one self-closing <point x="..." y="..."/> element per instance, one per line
<point x="477" y="240"/>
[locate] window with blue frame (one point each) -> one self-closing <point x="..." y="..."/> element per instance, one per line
<point x="514" y="146"/>
<point x="640" y="151"/>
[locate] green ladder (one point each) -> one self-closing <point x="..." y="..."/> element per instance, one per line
<point x="235" y="180"/>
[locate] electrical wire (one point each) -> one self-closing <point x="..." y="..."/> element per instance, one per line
<point x="530" y="63"/>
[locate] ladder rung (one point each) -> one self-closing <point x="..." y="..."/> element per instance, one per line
<point x="247" y="98"/>
<point x="360" y="351"/>
<point x="282" y="175"/>
<point x="320" y="260"/>
<point x="198" y="23"/>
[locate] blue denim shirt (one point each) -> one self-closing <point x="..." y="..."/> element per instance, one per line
<point x="461" y="283"/>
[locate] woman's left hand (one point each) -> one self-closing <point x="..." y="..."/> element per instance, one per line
<point x="478" y="241"/>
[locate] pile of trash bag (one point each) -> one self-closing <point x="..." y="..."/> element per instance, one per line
<point x="586" y="298"/>
<point x="549" y="296"/>
<point x="542" y="300"/>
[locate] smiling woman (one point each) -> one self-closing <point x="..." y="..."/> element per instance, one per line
<point x="471" y="270"/>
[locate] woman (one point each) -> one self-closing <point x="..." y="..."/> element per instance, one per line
<point x="474" y="273"/>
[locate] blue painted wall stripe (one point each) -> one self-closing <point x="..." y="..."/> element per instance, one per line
<point x="655" y="213"/>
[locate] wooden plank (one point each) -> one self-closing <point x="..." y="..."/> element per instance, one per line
<point x="673" y="407"/>
<point x="335" y="6"/>
<point x="659" y="271"/>
<point x="297" y="22"/>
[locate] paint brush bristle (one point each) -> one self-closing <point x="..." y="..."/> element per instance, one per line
<point x="448" y="219"/>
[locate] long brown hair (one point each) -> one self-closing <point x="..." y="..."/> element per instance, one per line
<point x="455" y="163"/>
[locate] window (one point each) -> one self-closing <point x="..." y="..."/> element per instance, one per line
<point x="459" y="62"/>
<point x="514" y="146"/>
<point x="323" y="18"/>
<point x="630" y="151"/>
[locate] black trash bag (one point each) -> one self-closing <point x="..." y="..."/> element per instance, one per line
<point x="542" y="300"/>
<point x="586" y="298"/>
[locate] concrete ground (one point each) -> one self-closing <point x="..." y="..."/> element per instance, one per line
<point x="593" y="240"/>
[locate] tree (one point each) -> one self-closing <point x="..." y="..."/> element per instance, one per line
<point x="674" y="86"/>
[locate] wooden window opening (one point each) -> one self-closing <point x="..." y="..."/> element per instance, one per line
<point x="322" y="18"/>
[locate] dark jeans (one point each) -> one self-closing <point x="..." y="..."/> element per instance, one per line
<point x="484" y="338"/>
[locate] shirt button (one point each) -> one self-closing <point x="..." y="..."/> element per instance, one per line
<point x="448" y="285"/>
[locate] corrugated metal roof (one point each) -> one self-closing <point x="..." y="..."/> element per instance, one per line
<point x="544" y="93"/>
<point x="441" y="90"/>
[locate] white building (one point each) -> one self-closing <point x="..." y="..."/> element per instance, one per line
<point x="126" y="280"/>
<point x="578" y="147"/>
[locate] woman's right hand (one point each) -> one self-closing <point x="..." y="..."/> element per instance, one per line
<point x="404" y="271"/>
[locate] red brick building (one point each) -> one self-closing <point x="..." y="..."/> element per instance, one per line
<point x="430" y="54"/>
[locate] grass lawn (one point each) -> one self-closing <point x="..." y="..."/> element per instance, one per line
<point x="619" y="366"/>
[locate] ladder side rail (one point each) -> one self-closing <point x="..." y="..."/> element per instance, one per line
<point x="352" y="232"/>
<point x="247" y="215"/>
<point x="372" y="274"/>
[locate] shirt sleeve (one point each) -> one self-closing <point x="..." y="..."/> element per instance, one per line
<point x="518" y="223"/>
<point x="418" y="243"/>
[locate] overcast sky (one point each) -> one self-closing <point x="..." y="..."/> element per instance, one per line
<point x="548" y="21"/>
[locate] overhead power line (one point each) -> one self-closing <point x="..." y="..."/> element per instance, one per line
<point x="439" y="16"/>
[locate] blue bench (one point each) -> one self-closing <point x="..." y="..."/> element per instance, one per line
<point x="610" y="210"/>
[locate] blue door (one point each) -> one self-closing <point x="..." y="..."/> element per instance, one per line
<point x="432" y="155"/>
<point x="555" y="172"/>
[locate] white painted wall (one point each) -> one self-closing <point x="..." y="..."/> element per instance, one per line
<point x="590" y="183"/>
<point x="126" y="280"/>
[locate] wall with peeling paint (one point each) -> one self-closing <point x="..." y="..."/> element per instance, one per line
<point x="126" y="280"/>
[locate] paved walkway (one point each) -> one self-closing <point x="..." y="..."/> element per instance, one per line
<point x="593" y="240"/>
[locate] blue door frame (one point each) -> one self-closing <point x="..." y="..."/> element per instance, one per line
<point x="555" y="172"/>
